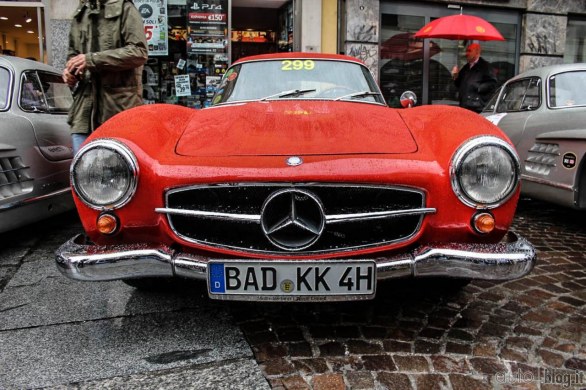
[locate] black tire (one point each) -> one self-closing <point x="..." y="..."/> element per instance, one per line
<point x="442" y="284"/>
<point x="451" y="284"/>
<point x="154" y="284"/>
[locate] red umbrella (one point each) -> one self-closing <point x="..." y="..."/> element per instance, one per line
<point x="460" y="27"/>
<point x="406" y="47"/>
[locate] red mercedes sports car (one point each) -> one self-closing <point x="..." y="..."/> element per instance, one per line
<point x="298" y="184"/>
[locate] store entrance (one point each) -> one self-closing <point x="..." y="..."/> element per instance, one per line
<point x="193" y="42"/>
<point x="22" y="30"/>
<point x="261" y="27"/>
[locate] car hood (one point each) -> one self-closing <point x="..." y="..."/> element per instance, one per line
<point x="297" y="127"/>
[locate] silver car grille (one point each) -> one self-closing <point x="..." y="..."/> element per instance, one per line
<point x="14" y="177"/>
<point x="541" y="158"/>
<point x="295" y="218"/>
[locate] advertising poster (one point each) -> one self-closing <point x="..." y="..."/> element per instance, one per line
<point x="154" y="16"/>
<point x="207" y="22"/>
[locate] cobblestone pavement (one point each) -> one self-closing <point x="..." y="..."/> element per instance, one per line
<point x="523" y="334"/>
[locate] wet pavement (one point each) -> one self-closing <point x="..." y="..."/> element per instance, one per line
<point x="529" y="333"/>
<point x="427" y="334"/>
<point x="59" y="332"/>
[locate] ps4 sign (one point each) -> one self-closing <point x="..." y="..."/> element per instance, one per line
<point x="206" y="5"/>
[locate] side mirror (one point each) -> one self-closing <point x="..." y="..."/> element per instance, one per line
<point x="408" y="99"/>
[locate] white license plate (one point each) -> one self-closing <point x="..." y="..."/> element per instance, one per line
<point x="292" y="280"/>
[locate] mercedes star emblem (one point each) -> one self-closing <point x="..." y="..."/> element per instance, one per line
<point x="292" y="219"/>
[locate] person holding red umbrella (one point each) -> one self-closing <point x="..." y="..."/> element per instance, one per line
<point x="475" y="81"/>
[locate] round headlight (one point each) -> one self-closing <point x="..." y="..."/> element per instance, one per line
<point x="485" y="172"/>
<point x="104" y="174"/>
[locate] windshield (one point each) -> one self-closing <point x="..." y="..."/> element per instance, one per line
<point x="298" y="79"/>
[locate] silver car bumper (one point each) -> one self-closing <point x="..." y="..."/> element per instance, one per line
<point x="512" y="258"/>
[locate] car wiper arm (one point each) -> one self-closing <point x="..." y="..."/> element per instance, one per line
<point x="290" y="93"/>
<point x="357" y="94"/>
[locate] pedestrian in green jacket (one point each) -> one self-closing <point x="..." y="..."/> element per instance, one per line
<point x="107" y="49"/>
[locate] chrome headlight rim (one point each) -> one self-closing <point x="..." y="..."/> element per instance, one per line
<point x="463" y="151"/>
<point x="126" y="154"/>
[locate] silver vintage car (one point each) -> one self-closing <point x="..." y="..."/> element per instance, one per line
<point x="35" y="143"/>
<point x="543" y="111"/>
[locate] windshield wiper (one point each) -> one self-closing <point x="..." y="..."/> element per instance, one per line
<point x="356" y="95"/>
<point x="290" y="93"/>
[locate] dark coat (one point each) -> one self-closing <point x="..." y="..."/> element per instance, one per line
<point x="113" y="40"/>
<point x="475" y="85"/>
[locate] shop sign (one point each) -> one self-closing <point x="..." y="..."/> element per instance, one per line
<point x="154" y="16"/>
<point x="207" y="22"/>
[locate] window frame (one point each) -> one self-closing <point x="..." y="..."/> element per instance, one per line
<point x="9" y="87"/>
<point x="548" y="91"/>
<point x="519" y="103"/>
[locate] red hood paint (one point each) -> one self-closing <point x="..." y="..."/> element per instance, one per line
<point x="288" y="128"/>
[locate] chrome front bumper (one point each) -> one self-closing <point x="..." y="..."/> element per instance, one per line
<point x="512" y="258"/>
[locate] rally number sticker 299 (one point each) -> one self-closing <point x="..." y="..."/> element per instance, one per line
<point x="291" y="280"/>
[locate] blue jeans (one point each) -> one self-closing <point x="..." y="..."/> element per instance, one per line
<point x="77" y="140"/>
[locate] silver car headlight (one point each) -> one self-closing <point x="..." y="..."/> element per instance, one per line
<point x="485" y="172"/>
<point x="104" y="174"/>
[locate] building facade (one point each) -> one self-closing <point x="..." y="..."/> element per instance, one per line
<point x="380" y="32"/>
<point x="193" y="41"/>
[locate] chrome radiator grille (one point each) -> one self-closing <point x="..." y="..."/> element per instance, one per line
<point x="14" y="177"/>
<point x="295" y="218"/>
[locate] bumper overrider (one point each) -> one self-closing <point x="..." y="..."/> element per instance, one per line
<point x="511" y="258"/>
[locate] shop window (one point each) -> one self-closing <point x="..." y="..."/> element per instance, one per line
<point x="189" y="44"/>
<point x="575" y="50"/>
<point x="187" y="57"/>
<point x="424" y="66"/>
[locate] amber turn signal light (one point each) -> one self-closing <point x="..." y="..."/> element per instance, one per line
<point x="483" y="223"/>
<point x="107" y="223"/>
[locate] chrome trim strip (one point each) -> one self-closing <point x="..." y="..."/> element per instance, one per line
<point x="12" y="183"/>
<point x="512" y="258"/>
<point x="14" y="169"/>
<point x="208" y="214"/>
<point x="547" y="182"/>
<point x="546" y="153"/>
<point x="27" y="201"/>
<point x="378" y="214"/>
<point x="329" y="218"/>
<point x="10" y="86"/>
